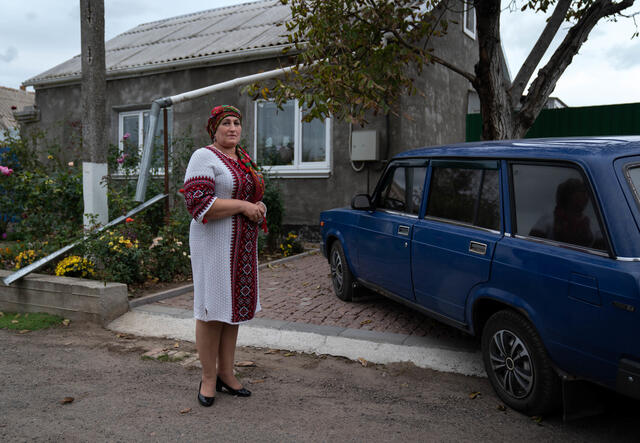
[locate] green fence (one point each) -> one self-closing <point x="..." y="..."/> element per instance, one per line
<point x="569" y="122"/>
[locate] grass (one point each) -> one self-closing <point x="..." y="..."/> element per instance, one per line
<point x="30" y="321"/>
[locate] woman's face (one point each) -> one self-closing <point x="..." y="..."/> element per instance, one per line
<point x="228" y="132"/>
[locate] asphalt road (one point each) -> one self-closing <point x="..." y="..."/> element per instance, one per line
<point x="118" y="396"/>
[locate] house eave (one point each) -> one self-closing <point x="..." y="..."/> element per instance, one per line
<point x="174" y="65"/>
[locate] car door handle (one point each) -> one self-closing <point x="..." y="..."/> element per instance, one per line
<point x="477" y="247"/>
<point x="403" y="230"/>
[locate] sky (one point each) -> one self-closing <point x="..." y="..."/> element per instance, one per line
<point x="36" y="35"/>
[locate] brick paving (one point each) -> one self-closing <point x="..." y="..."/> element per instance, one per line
<point x="300" y="290"/>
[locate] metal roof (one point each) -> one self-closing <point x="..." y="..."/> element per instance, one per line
<point x="12" y="100"/>
<point x="202" y="37"/>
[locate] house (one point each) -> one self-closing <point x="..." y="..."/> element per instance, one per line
<point x="13" y="101"/>
<point x="312" y="161"/>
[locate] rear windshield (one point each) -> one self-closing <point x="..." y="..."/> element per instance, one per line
<point x="634" y="178"/>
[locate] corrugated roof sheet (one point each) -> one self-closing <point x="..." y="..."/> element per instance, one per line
<point x="10" y="98"/>
<point x="231" y="29"/>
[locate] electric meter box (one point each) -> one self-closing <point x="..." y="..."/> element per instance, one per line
<point x="364" y="146"/>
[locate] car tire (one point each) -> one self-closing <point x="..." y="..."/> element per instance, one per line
<point x="518" y="366"/>
<point x="341" y="275"/>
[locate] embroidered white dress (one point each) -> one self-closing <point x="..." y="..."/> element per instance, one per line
<point x="224" y="252"/>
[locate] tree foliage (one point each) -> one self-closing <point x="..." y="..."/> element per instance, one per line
<point x="359" y="56"/>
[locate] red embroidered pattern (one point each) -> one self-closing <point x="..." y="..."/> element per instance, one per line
<point x="244" y="246"/>
<point x="198" y="193"/>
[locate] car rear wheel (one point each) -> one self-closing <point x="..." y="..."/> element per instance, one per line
<point x="340" y="273"/>
<point x="518" y="365"/>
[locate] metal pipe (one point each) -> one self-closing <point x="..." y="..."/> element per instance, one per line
<point x="165" y="120"/>
<point x="143" y="174"/>
<point x="147" y="150"/>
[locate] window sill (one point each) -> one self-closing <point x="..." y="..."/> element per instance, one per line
<point x="134" y="175"/>
<point x="297" y="173"/>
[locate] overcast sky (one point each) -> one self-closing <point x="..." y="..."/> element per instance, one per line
<point x="36" y="35"/>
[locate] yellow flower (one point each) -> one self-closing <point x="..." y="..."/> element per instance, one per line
<point x="50" y="157"/>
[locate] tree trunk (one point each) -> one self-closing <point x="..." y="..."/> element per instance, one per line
<point x="94" y="111"/>
<point x="495" y="106"/>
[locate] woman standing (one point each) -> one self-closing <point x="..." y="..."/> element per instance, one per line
<point x="223" y="191"/>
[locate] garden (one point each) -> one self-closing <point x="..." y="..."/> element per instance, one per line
<point x="41" y="210"/>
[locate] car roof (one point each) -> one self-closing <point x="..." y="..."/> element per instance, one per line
<point x="609" y="147"/>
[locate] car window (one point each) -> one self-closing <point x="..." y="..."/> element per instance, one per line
<point x="470" y="195"/>
<point x="555" y="203"/>
<point x="402" y="189"/>
<point x="634" y="177"/>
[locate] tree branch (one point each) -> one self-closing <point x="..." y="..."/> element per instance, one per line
<point x="434" y="58"/>
<point x="538" y="51"/>
<point x="548" y="76"/>
<point x="462" y="72"/>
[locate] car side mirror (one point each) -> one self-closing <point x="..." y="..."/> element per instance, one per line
<point x="361" y="201"/>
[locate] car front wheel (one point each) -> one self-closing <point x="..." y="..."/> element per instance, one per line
<point x="517" y="364"/>
<point x="340" y="273"/>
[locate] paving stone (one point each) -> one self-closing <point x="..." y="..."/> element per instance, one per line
<point x="300" y="290"/>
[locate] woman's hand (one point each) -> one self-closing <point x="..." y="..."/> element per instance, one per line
<point x="263" y="207"/>
<point x="253" y="211"/>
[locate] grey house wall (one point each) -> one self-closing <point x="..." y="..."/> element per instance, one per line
<point x="436" y="117"/>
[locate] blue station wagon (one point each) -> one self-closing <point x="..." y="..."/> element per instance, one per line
<point x="533" y="245"/>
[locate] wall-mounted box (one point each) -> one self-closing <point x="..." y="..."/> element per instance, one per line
<point x="364" y="146"/>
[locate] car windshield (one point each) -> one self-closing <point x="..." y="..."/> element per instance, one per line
<point x="634" y="178"/>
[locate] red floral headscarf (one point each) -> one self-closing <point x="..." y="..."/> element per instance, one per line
<point x="218" y="114"/>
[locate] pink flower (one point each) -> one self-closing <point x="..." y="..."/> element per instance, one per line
<point x="126" y="136"/>
<point x="121" y="158"/>
<point x="6" y="171"/>
<point x="4" y="235"/>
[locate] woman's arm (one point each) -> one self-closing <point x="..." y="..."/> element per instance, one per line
<point x="227" y="207"/>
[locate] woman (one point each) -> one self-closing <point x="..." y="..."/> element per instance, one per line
<point x="223" y="191"/>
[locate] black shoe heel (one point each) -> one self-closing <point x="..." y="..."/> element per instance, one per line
<point x="205" y="401"/>
<point x="242" y="392"/>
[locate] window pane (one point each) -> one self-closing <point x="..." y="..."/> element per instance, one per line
<point x="313" y="141"/>
<point x="275" y="133"/>
<point x="634" y="176"/>
<point x="488" y="210"/>
<point x="157" y="161"/>
<point x="130" y="135"/>
<point x="464" y="195"/>
<point x="470" y="19"/>
<point x="554" y="202"/>
<point x="403" y="190"/>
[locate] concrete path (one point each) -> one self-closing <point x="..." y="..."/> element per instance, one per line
<point x="301" y="313"/>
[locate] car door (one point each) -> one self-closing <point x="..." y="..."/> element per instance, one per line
<point x="557" y="263"/>
<point x="453" y="244"/>
<point x="384" y="245"/>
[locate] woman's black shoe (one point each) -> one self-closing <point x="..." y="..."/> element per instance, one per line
<point x="205" y="401"/>
<point x="242" y="392"/>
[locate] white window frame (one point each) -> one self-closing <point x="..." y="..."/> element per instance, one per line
<point x="469" y="9"/>
<point x="141" y="135"/>
<point x="298" y="169"/>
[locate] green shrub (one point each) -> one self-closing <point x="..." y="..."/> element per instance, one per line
<point x="168" y="253"/>
<point x="117" y="257"/>
<point x="40" y="199"/>
<point x="275" y="212"/>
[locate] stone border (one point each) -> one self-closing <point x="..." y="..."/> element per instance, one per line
<point x="73" y="298"/>
<point x="441" y="354"/>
